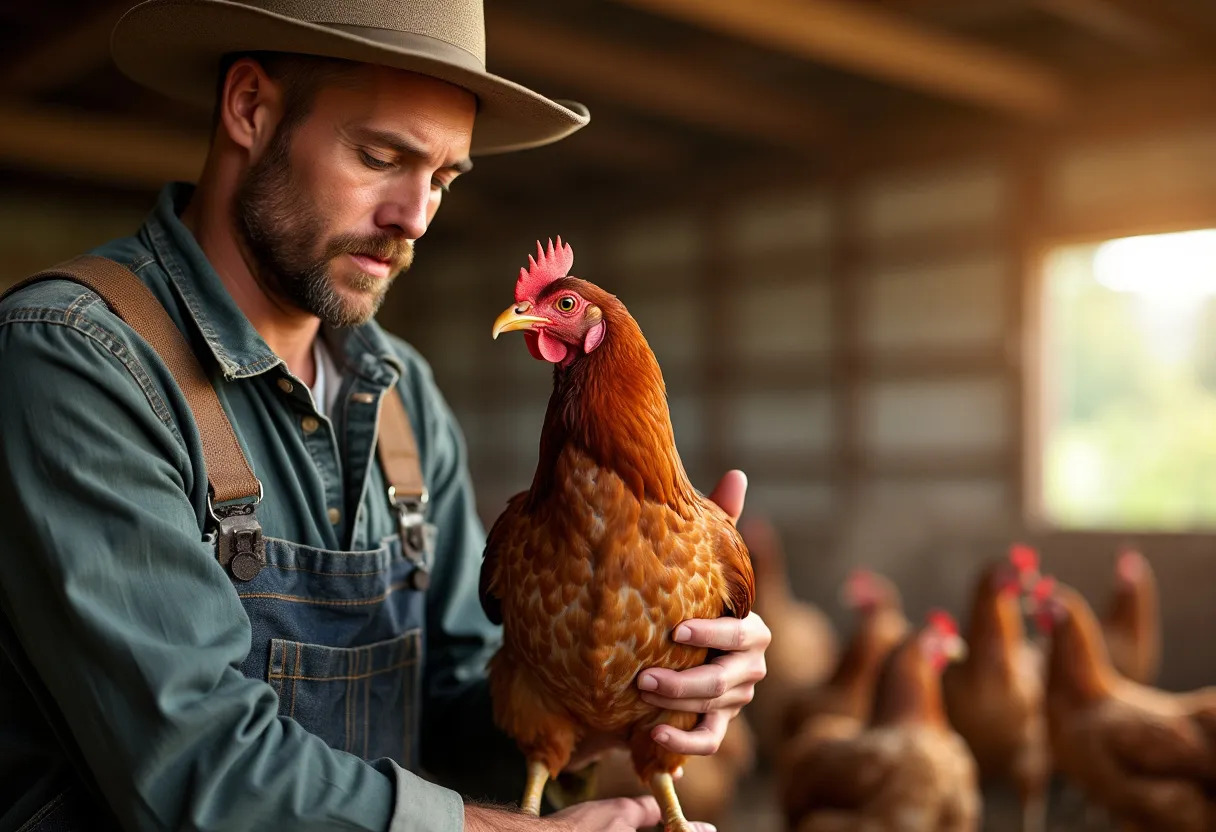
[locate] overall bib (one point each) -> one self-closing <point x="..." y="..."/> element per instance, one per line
<point x="337" y="634"/>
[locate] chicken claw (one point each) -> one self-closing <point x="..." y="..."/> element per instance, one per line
<point x="664" y="789"/>
<point x="538" y="775"/>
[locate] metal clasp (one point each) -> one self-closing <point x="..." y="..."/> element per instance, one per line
<point x="416" y="534"/>
<point x="240" y="549"/>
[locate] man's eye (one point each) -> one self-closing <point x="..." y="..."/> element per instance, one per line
<point x="374" y="162"/>
<point x="565" y="304"/>
<point x="441" y="185"/>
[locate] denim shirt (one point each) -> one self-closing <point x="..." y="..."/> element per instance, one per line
<point x="136" y="633"/>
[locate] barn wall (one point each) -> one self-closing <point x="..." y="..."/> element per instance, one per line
<point x="855" y="349"/>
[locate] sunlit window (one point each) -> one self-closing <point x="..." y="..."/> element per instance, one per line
<point x="1130" y="383"/>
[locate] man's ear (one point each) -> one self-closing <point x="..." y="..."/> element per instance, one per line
<point x="250" y="106"/>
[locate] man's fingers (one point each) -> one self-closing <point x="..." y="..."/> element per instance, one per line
<point x="732" y="700"/>
<point x="729" y="494"/>
<point x="721" y="683"/>
<point x="730" y="634"/>
<point x="700" y="741"/>
<point x="638" y="812"/>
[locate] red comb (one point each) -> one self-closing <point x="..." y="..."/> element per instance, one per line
<point x="1024" y="558"/>
<point x="547" y="266"/>
<point x="1044" y="589"/>
<point x="943" y="622"/>
<point x="1130" y="564"/>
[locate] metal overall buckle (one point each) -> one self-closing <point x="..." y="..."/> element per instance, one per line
<point x="416" y="534"/>
<point x="241" y="548"/>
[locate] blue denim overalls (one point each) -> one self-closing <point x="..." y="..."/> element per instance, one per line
<point x="338" y="635"/>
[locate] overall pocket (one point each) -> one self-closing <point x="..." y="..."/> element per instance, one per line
<point x="357" y="699"/>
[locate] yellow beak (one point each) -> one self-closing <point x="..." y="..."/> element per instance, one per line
<point x="513" y="318"/>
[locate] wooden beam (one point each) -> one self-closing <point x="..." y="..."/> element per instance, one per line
<point x="869" y="41"/>
<point x="79" y="48"/>
<point x="625" y="147"/>
<point x="96" y="148"/>
<point x="657" y="83"/>
<point x="1130" y="25"/>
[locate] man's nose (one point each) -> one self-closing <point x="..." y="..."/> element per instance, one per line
<point x="407" y="209"/>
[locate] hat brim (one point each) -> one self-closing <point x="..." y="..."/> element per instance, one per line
<point x="175" y="47"/>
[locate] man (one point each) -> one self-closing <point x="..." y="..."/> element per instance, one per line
<point x="149" y="686"/>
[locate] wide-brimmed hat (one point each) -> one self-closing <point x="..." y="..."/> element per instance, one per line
<point x="175" y="47"/>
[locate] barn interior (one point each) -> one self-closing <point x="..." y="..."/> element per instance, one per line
<point x="871" y="243"/>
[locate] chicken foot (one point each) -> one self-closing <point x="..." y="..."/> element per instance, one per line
<point x="664" y="789"/>
<point x="534" y="787"/>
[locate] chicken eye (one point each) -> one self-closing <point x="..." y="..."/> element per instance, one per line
<point x="565" y="304"/>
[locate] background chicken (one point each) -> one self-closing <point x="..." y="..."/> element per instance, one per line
<point x="995" y="697"/>
<point x="1133" y="622"/>
<point x="1148" y="757"/>
<point x="907" y="771"/>
<point x="804" y="649"/>
<point x="593" y="567"/>
<point x="847" y="695"/>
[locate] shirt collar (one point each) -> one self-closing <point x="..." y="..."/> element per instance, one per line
<point x="238" y="348"/>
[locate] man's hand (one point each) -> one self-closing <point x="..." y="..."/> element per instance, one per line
<point x="623" y="814"/>
<point x="720" y="688"/>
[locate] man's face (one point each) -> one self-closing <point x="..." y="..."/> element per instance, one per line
<point x="330" y="210"/>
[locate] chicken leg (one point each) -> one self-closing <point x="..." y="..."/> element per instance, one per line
<point x="664" y="789"/>
<point x="534" y="787"/>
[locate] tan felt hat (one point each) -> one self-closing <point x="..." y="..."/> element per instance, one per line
<point x="175" y="47"/>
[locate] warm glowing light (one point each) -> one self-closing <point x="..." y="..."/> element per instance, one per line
<point x="1161" y="264"/>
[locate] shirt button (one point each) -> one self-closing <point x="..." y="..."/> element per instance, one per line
<point x="310" y="424"/>
<point x="363" y="398"/>
<point x="285" y="385"/>
<point x="335" y="516"/>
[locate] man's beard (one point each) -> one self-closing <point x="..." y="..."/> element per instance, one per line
<point x="282" y="229"/>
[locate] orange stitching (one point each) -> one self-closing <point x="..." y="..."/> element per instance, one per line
<point x="298" y="600"/>
<point x="355" y="677"/>
<point x="366" y="714"/>
<point x="354" y="669"/>
<point x="293" y="681"/>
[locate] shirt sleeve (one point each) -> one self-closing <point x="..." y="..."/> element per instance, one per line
<point x="132" y="625"/>
<point x="461" y="746"/>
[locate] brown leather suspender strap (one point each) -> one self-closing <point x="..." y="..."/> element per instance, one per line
<point x="240" y="547"/>
<point x="228" y="471"/>
<point x="398" y="450"/>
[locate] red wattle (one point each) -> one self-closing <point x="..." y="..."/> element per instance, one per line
<point x="551" y="349"/>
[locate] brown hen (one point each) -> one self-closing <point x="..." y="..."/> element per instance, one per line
<point x="1132" y="626"/>
<point x="847" y="695"/>
<point x="906" y="771"/>
<point x="995" y="697"/>
<point x="1148" y="757"/>
<point x="592" y="568"/>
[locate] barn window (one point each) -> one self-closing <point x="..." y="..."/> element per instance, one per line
<point x="1129" y="372"/>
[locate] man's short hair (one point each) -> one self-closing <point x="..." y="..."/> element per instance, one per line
<point x="302" y="77"/>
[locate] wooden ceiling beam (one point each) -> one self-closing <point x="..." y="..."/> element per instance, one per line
<point x="97" y="148"/>
<point x="77" y="50"/>
<point x="867" y="40"/>
<point x="1133" y="24"/>
<point x="658" y="84"/>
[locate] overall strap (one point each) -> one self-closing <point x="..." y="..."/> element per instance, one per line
<point x="228" y="471"/>
<point x="234" y="491"/>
